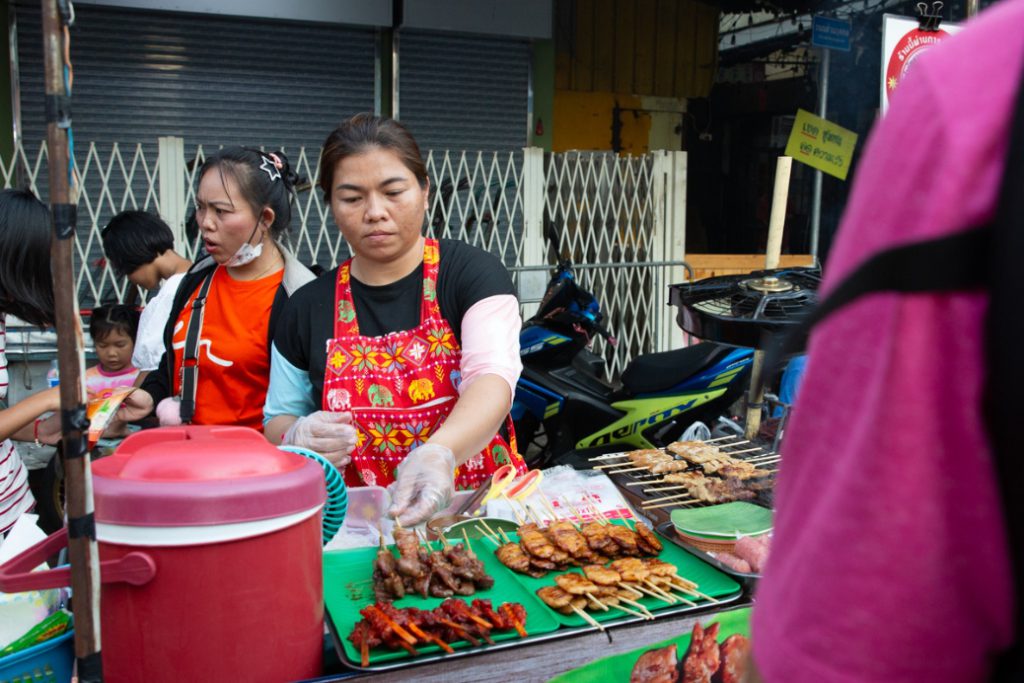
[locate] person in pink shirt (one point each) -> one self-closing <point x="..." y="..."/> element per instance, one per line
<point x="890" y="559"/>
<point x="113" y="330"/>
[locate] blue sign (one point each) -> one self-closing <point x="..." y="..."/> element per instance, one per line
<point x="831" y="33"/>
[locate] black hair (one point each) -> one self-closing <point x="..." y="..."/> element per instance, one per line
<point x="112" y="318"/>
<point x="133" y="239"/>
<point x="366" y="131"/>
<point x="26" y="283"/>
<point x="264" y="179"/>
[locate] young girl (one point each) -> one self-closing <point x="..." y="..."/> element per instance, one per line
<point x="113" y="330"/>
<point x="26" y="291"/>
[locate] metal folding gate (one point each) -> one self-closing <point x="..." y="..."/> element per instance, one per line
<point x="622" y="219"/>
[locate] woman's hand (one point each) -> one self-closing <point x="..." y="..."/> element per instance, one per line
<point x="425" y="484"/>
<point x="330" y="434"/>
<point x="136" y="405"/>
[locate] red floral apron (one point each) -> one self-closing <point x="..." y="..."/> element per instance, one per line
<point x="401" y="387"/>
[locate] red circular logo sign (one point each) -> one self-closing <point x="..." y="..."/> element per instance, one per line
<point x="911" y="46"/>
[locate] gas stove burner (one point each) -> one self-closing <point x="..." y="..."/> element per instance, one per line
<point x="769" y="283"/>
<point x="745" y="310"/>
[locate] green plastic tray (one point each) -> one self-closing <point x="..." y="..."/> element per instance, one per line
<point x="617" y="668"/>
<point x="348" y="588"/>
<point x="709" y="580"/>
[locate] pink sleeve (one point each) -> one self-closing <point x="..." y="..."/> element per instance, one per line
<point x="490" y="340"/>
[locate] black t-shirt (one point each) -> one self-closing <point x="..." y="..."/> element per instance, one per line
<point x="465" y="276"/>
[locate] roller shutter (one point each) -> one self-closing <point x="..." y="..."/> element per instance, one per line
<point x="211" y="79"/>
<point x="464" y="92"/>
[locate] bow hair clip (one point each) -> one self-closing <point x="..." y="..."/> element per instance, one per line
<point x="272" y="164"/>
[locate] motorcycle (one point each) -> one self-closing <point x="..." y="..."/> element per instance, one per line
<point x="565" y="411"/>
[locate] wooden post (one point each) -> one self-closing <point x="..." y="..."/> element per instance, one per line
<point x="755" y="397"/>
<point x="82" y="550"/>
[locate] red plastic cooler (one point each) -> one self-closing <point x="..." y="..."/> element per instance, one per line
<point x="232" y="527"/>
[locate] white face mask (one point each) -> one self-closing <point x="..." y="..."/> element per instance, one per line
<point x="246" y="253"/>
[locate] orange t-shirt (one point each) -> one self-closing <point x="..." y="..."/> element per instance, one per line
<point x="234" y="359"/>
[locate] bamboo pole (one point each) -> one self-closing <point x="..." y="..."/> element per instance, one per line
<point x="776" y="223"/>
<point x="82" y="550"/>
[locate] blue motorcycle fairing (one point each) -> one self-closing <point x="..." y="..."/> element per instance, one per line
<point x="720" y="373"/>
<point x="535" y="337"/>
<point x="536" y="400"/>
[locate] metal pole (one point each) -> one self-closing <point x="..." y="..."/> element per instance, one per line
<point x="822" y="111"/>
<point x="972" y="7"/>
<point x="82" y="550"/>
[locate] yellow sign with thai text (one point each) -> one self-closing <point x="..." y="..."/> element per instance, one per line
<point x="821" y="144"/>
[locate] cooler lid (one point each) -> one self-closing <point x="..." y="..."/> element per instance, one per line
<point x="192" y="475"/>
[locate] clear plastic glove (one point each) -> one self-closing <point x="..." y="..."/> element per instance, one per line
<point x="327" y="433"/>
<point x="425" y="483"/>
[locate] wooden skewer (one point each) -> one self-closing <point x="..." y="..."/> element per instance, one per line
<point x="614" y="464"/>
<point x="628" y="469"/>
<point x="658" y="589"/>
<point x="597" y="510"/>
<point x="691" y="591"/>
<point x="593" y="598"/>
<point x="636" y="604"/>
<point x="672" y="497"/>
<point x="609" y="456"/>
<point x="533" y="515"/>
<point x="766" y="456"/>
<point x="631" y="588"/>
<point x="730" y="445"/>
<point x="646" y="482"/>
<point x="551" y="508"/>
<point x="667" y="488"/>
<point x="504" y="535"/>
<point x="650" y="593"/>
<point x="587" y="618"/>
<point x="490" y="531"/>
<point x="677" y="503"/>
<point x="519" y="518"/>
<point x="745" y="450"/>
<point x="723" y="438"/>
<point x="430" y="638"/>
<point x="647" y="616"/>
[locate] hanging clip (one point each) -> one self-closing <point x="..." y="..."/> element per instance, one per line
<point x="929" y="20"/>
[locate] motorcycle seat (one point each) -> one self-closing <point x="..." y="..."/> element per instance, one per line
<point x="654" y="372"/>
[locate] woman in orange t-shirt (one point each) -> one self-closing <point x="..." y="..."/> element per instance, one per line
<point x="215" y="370"/>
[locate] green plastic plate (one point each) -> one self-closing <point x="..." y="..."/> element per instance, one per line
<point x="348" y="588"/>
<point x="619" y="667"/>
<point x="728" y="520"/>
<point x="709" y="580"/>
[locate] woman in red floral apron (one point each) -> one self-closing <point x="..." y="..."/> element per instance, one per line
<point x="409" y="351"/>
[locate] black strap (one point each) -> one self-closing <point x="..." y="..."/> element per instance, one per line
<point x="947" y="264"/>
<point x="1002" y="400"/>
<point x="190" y="354"/>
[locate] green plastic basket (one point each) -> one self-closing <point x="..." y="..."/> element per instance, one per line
<point x="337" y="494"/>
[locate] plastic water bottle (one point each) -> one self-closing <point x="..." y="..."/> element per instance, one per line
<point x="53" y="374"/>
